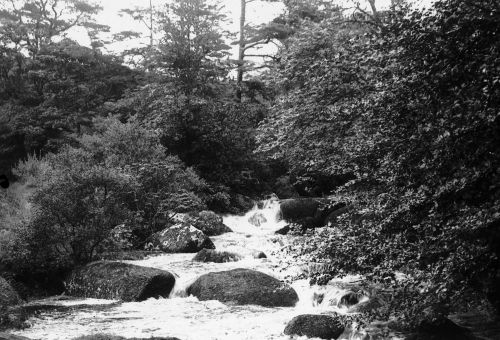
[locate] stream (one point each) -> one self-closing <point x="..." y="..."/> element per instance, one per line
<point x="185" y="316"/>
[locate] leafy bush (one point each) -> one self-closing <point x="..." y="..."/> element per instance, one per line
<point x="118" y="181"/>
<point x="412" y="110"/>
<point x="74" y="211"/>
<point x="163" y="189"/>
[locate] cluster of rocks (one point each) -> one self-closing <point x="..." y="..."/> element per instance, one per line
<point x="128" y="282"/>
<point x="190" y="236"/>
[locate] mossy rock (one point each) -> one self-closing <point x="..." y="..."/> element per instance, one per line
<point x="118" y="280"/>
<point x="116" y="337"/>
<point x="211" y="255"/>
<point x="181" y="239"/>
<point x="244" y="287"/>
<point x="315" y="326"/>
<point x="210" y="223"/>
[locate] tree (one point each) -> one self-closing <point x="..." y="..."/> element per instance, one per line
<point x="45" y="101"/>
<point x="146" y="16"/>
<point x="74" y="210"/>
<point x="32" y="24"/>
<point x="251" y="37"/>
<point x="161" y="186"/>
<point x="411" y="110"/>
<point x="192" y="46"/>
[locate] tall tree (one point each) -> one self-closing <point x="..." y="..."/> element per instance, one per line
<point x="31" y="24"/>
<point x="192" y="46"/>
<point x="251" y="37"/>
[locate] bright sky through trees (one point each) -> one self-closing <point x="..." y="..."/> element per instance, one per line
<point x="258" y="12"/>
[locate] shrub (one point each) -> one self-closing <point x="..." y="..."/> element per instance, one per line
<point x="74" y="212"/>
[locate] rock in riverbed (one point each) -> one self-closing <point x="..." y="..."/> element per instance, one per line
<point x="311" y="212"/>
<point x="257" y="219"/>
<point x="244" y="287"/>
<point x="115" y="337"/>
<point x="211" y="255"/>
<point x="181" y="239"/>
<point x="210" y="223"/>
<point x="117" y="280"/>
<point x="315" y="326"/>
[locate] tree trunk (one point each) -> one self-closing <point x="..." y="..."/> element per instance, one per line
<point x="374" y="8"/>
<point x="150" y="24"/>
<point x="241" y="54"/>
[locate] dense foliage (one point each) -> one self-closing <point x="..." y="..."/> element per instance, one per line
<point x="84" y="195"/>
<point x="412" y="109"/>
<point x="45" y="102"/>
<point x="393" y="112"/>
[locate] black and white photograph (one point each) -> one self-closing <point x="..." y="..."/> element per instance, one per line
<point x="249" y="169"/>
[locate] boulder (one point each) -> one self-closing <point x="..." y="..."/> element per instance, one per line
<point x="315" y="326"/>
<point x="117" y="280"/>
<point x="8" y="336"/>
<point x="283" y="231"/>
<point x="210" y="223"/>
<point x="181" y="239"/>
<point x="259" y="255"/>
<point x="211" y="255"/>
<point x="243" y="287"/>
<point x="349" y="299"/>
<point x="116" y="337"/>
<point x="441" y="329"/>
<point x="311" y="212"/>
<point x="257" y="219"/>
<point x="297" y="208"/>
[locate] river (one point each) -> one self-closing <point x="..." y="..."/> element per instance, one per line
<point x="189" y="319"/>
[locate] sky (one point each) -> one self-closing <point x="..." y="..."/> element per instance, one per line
<point x="258" y="12"/>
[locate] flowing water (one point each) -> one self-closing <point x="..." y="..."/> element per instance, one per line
<point x="189" y="319"/>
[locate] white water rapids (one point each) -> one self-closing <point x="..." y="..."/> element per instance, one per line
<point x="186" y="317"/>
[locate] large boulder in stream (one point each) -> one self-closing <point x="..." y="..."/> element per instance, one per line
<point x="310" y="212"/>
<point x="118" y="280"/>
<point x="315" y="326"/>
<point x="244" y="287"/>
<point x="116" y="337"/>
<point x="211" y="255"/>
<point x="210" y="223"/>
<point x="181" y="239"/>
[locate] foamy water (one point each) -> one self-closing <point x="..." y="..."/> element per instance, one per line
<point x="188" y="318"/>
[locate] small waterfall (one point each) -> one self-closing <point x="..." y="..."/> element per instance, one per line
<point x="267" y="213"/>
<point x="188" y="318"/>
